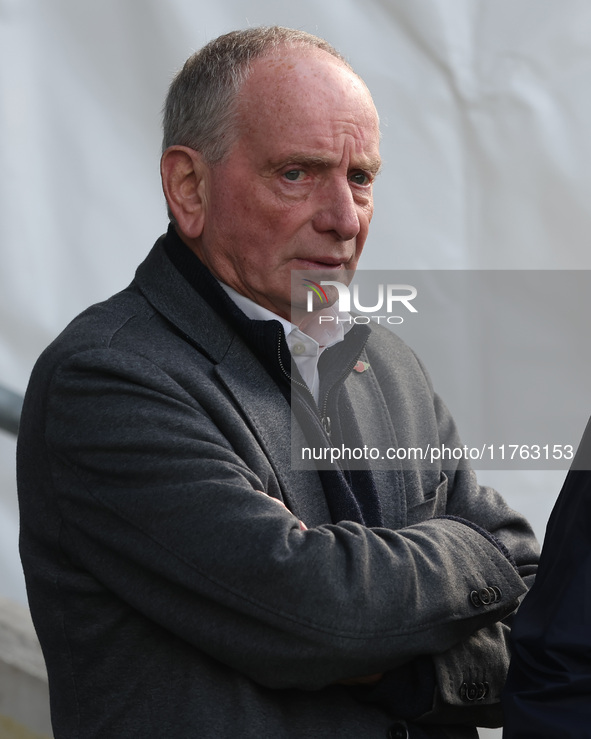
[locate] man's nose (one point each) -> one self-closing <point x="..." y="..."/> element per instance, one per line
<point x="338" y="212"/>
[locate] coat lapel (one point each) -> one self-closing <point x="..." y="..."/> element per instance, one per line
<point x="270" y="419"/>
<point x="262" y="404"/>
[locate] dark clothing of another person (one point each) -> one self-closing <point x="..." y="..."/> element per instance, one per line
<point x="548" y="692"/>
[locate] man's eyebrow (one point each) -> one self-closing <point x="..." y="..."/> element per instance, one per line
<point x="373" y="166"/>
<point x="311" y="160"/>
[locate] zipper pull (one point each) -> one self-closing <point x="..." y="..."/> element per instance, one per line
<point x="326" y="425"/>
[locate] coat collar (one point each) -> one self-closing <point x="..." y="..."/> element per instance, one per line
<point x="176" y="298"/>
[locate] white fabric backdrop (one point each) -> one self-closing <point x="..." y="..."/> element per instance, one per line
<point x="486" y="118"/>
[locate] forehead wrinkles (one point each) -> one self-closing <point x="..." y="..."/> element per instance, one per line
<point x="303" y="87"/>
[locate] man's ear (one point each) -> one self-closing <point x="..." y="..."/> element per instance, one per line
<point x="183" y="172"/>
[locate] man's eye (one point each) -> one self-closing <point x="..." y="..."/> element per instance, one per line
<point x="360" y="178"/>
<point x="294" y="174"/>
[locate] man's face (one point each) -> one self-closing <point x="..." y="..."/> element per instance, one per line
<point x="295" y="189"/>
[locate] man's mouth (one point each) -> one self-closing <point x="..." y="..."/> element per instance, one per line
<point x="324" y="263"/>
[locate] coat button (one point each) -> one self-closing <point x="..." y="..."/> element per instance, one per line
<point x="398" y="731"/>
<point x="469" y="692"/>
<point x="486" y="596"/>
<point x="473" y="692"/>
<point x="483" y="689"/>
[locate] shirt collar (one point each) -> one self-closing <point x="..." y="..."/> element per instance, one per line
<point x="324" y="334"/>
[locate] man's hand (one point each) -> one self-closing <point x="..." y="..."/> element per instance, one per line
<point x="303" y="526"/>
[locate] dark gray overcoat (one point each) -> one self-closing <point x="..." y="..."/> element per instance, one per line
<point x="173" y="599"/>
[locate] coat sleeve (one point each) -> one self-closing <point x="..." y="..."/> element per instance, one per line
<point x="464" y="681"/>
<point x="159" y="508"/>
<point x="472" y="674"/>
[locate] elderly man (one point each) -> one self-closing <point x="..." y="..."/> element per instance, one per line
<point x="172" y="595"/>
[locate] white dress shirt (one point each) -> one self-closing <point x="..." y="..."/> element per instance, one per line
<point x="305" y="347"/>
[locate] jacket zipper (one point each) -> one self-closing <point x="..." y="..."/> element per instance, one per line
<point x="324" y="417"/>
<point x="322" y="414"/>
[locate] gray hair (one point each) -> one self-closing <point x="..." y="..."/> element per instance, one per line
<point x="200" y="108"/>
